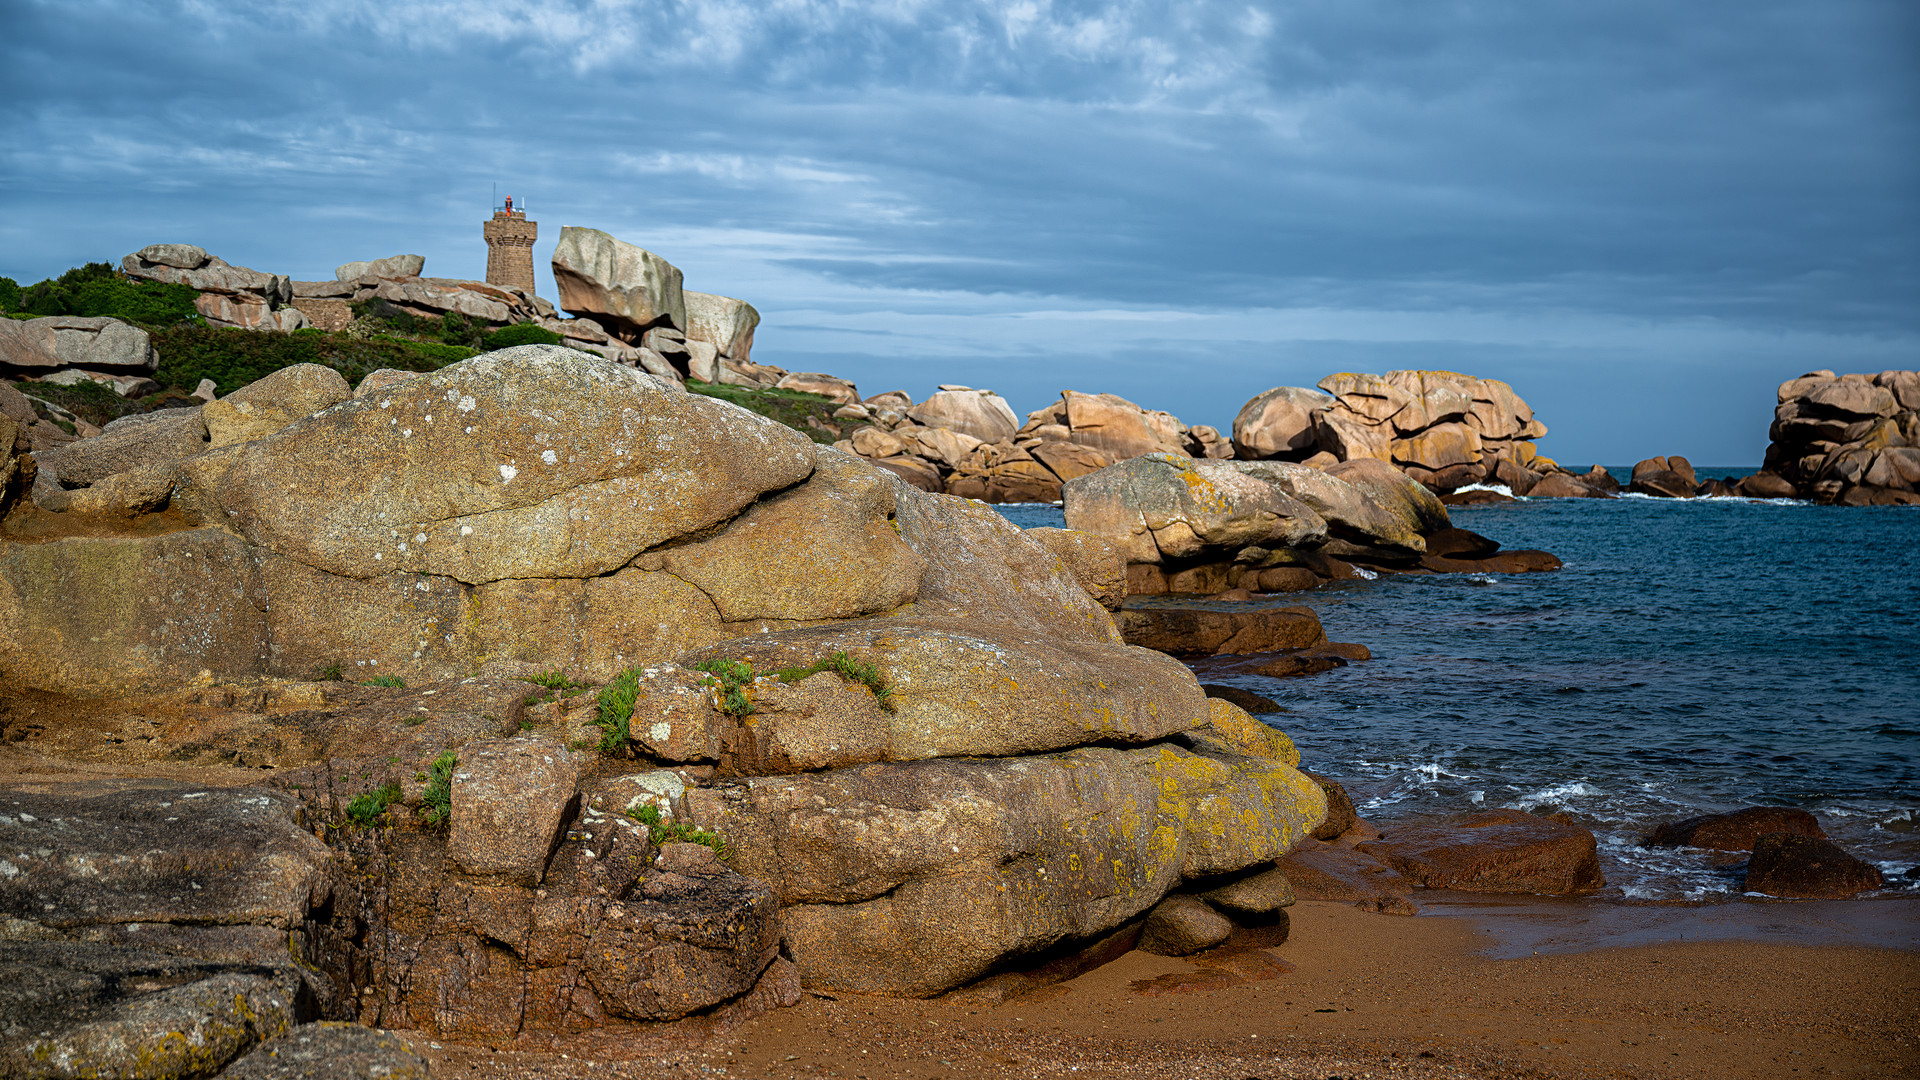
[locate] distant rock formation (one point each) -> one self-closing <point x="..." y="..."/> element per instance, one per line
<point x="1853" y="440"/>
<point x="1442" y="428"/>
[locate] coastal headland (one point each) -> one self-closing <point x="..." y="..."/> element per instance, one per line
<point x="589" y="691"/>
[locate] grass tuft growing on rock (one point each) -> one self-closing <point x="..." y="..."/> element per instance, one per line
<point x="366" y="809"/>
<point x="616" y="703"/>
<point x="437" y="800"/>
<point x="391" y="682"/>
<point x="854" y="671"/>
<point x="661" y="832"/>
<point x="732" y="677"/>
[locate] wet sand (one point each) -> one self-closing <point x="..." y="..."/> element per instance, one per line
<point x="1352" y="994"/>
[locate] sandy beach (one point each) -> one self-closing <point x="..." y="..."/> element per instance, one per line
<point x="1355" y="995"/>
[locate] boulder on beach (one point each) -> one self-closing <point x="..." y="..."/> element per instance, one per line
<point x="1807" y="867"/>
<point x="1508" y="851"/>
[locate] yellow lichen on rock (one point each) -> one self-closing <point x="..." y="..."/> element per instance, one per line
<point x="1234" y="726"/>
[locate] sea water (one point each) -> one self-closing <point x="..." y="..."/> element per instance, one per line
<point x="1691" y="657"/>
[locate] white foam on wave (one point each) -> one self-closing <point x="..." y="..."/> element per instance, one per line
<point x="1497" y="489"/>
<point x="1365" y="573"/>
<point x="1559" y="793"/>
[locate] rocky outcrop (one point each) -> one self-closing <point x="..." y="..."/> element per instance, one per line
<point x="229" y="295"/>
<point x="1205" y="526"/>
<point x="965" y="442"/>
<point x="1445" y="429"/>
<point x="1852" y="440"/>
<point x="915" y="729"/>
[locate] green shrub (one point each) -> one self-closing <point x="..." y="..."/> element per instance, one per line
<point x="96" y="289"/>
<point x="525" y="333"/>
<point x="367" y="808"/>
<point x="330" y="673"/>
<point x="437" y="800"/>
<point x="9" y="294"/>
<point x="392" y="682"/>
<point x="671" y="832"/>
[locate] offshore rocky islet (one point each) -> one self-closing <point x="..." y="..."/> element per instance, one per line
<point x="293" y="573"/>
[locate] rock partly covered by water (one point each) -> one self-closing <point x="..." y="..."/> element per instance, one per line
<point x="913" y="730"/>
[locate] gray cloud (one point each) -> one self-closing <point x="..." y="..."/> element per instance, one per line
<point x="1665" y="208"/>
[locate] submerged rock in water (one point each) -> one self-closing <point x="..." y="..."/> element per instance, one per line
<point x="1736" y="831"/>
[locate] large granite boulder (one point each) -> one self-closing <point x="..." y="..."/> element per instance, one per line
<point x="1162" y="507"/>
<point x="393" y="266"/>
<point x="616" y="284"/>
<point x="1113" y="426"/>
<point x="40" y="347"/>
<point x="981" y="414"/>
<point x="530" y="462"/>
<point x="723" y="322"/>
<point x="1278" y="422"/>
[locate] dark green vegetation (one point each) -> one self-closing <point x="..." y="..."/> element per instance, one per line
<point x="97" y="289"/>
<point x="809" y="414"/>
<point x="437" y="800"/>
<point x="367" y="808"/>
<point x="673" y="832"/>
<point x="232" y="358"/>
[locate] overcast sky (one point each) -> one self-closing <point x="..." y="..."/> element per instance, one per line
<point x="1644" y="215"/>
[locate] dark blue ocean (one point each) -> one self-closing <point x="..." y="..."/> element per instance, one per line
<point x="1691" y="657"/>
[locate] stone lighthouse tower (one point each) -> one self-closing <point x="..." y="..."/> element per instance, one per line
<point x="510" y="239"/>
